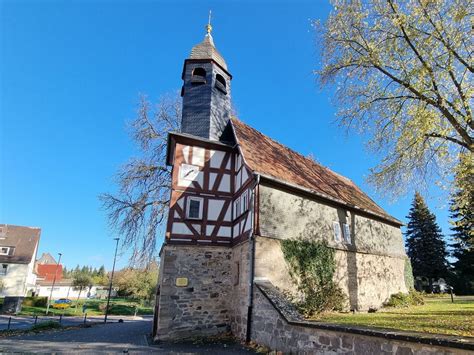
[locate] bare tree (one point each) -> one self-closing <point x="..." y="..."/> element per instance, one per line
<point x="403" y="72"/>
<point x="140" y="205"/>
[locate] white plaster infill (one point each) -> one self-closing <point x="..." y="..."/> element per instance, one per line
<point x="291" y="316"/>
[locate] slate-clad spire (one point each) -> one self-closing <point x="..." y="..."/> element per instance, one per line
<point x="206" y="91"/>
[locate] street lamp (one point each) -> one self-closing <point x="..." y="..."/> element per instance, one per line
<point x="111" y="280"/>
<point x="54" y="282"/>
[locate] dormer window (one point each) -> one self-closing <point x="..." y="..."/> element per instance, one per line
<point x="220" y="83"/>
<point x="198" y="76"/>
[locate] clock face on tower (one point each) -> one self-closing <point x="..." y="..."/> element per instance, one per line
<point x="189" y="172"/>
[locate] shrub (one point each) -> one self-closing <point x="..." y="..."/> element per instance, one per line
<point x="46" y="325"/>
<point x="400" y="300"/>
<point x="35" y="301"/>
<point x="312" y="265"/>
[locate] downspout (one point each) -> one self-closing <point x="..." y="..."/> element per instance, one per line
<point x="252" y="263"/>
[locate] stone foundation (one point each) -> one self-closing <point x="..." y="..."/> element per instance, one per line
<point x="240" y="295"/>
<point x="203" y="306"/>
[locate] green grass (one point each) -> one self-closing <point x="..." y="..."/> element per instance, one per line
<point x="45" y="326"/>
<point x="437" y="316"/>
<point x="121" y="307"/>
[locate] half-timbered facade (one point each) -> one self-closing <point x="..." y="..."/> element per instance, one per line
<point x="211" y="193"/>
<point x="235" y="193"/>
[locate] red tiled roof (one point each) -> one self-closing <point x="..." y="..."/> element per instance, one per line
<point x="269" y="158"/>
<point x="47" y="271"/>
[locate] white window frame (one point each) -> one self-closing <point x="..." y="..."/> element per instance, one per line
<point x="185" y="167"/>
<point x="237" y="207"/>
<point x="2" y="268"/>
<point x="2" y="253"/>
<point x="244" y="204"/>
<point x="188" y="207"/>
<point x="336" y="227"/>
<point x="347" y="233"/>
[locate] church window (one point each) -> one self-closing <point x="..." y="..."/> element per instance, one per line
<point x="220" y="83"/>
<point x="237" y="207"/>
<point x="3" y="269"/>
<point x="198" y="76"/>
<point x="245" y="201"/>
<point x="337" y="231"/>
<point x="347" y="233"/>
<point x="194" y="210"/>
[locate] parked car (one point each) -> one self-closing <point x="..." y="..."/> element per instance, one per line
<point x="62" y="303"/>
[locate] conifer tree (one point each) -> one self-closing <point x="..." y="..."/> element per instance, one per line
<point x="424" y="242"/>
<point x="462" y="215"/>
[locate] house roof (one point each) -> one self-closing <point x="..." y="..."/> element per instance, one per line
<point x="207" y="50"/>
<point x="275" y="161"/>
<point x="22" y="241"/>
<point x="46" y="258"/>
<point x="49" y="271"/>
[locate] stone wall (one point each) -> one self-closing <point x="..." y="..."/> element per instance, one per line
<point x="202" y="307"/>
<point x="369" y="269"/>
<point x="367" y="280"/>
<point x="272" y="328"/>
<point x="286" y="215"/>
<point x="240" y="287"/>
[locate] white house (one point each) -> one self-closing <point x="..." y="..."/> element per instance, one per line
<point x="65" y="289"/>
<point x="18" y="248"/>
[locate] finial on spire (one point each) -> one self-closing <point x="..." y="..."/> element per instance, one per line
<point x="208" y="26"/>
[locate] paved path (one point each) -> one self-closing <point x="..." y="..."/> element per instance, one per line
<point x="127" y="337"/>
<point x="112" y="337"/>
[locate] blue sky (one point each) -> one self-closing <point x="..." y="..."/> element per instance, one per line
<point x="70" y="76"/>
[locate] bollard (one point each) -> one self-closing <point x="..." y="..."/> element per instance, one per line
<point x="9" y="323"/>
<point x="85" y="318"/>
<point x="36" y="319"/>
<point x="60" y="318"/>
<point x="451" y="292"/>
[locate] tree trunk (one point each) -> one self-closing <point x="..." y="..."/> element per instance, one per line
<point x="77" y="301"/>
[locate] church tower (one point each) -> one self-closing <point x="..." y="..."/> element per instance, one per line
<point x="205" y="91"/>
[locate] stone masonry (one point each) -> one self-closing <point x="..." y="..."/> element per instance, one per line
<point x="270" y="327"/>
<point x="368" y="270"/>
<point x="203" y="306"/>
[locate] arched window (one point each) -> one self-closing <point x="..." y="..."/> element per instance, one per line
<point x="220" y="83"/>
<point x="198" y="75"/>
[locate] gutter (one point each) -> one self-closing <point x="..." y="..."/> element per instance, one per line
<point x="252" y="264"/>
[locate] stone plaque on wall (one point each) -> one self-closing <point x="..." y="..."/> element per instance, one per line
<point x="182" y="281"/>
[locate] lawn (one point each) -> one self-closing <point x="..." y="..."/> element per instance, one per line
<point x="93" y="308"/>
<point x="438" y="316"/>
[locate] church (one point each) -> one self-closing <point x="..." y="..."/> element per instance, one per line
<point x="235" y="194"/>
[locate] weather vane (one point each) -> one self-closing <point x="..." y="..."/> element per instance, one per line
<point x="208" y="26"/>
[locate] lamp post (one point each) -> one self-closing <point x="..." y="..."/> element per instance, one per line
<point x="54" y="282"/>
<point x="111" y="280"/>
